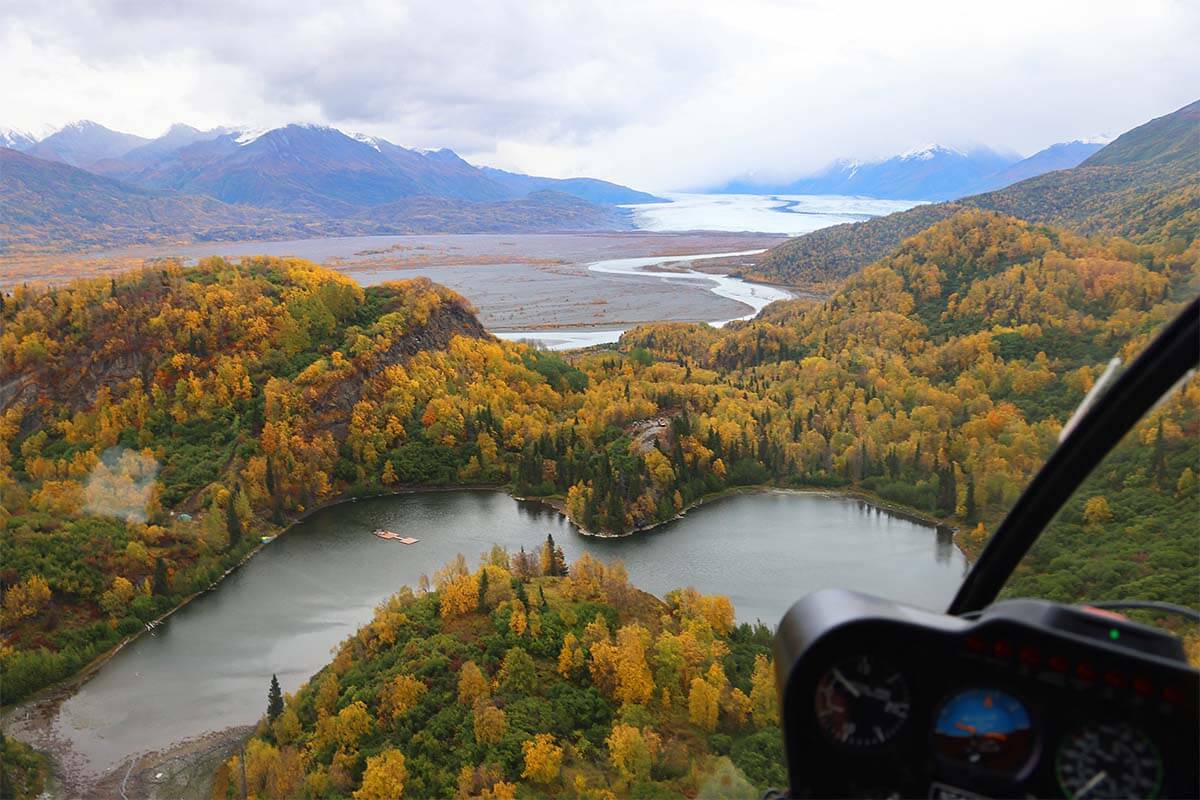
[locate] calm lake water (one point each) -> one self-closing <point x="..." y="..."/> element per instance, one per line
<point x="208" y="667"/>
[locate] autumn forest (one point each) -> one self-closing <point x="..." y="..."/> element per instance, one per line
<point x="158" y="425"/>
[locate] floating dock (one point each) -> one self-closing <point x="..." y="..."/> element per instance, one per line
<point x="395" y="537"/>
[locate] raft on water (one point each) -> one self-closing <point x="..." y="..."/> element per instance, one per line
<point x="395" y="537"/>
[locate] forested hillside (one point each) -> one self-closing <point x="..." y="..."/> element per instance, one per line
<point x="508" y="680"/>
<point x="1143" y="186"/>
<point x="156" y="424"/>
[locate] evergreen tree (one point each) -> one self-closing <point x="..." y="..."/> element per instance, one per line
<point x="1158" y="462"/>
<point x="274" y="700"/>
<point x="160" y="585"/>
<point x="970" y="512"/>
<point x="276" y="508"/>
<point x="233" y="523"/>
<point x="551" y="559"/>
<point x="270" y="478"/>
<point x="483" y="590"/>
<point x="947" y="490"/>
<point x="518" y="587"/>
<point x="893" y="463"/>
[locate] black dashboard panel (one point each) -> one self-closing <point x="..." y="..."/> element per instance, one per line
<point x="1031" y="699"/>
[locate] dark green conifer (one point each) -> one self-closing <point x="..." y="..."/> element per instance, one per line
<point x="518" y="587"/>
<point x="159" y="585"/>
<point x="233" y="523"/>
<point x="274" y="700"/>
<point x="483" y="590"/>
<point x="970" y="512"/>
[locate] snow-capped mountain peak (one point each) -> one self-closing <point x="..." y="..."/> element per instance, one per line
<point x="248" y="135"/>
<point x="371" y="141"/>
<point x="16" y="139"/>
<point x="926" y="152"/>
<point x="80" y="126"/>
<point x="1103" y="138"/>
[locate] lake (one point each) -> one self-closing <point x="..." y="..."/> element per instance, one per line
<point x="207" y="668"/>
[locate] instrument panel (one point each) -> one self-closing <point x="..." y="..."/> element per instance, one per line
<point x="1032" y="699"/>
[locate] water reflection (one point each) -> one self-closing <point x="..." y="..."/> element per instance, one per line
<point x="207" y="668"/>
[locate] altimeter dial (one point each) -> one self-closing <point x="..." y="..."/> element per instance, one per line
<point x="862" y="702"/>
<point x="1113" y="760"/>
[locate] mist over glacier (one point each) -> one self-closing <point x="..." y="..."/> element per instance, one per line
<point x="792" y="215"/>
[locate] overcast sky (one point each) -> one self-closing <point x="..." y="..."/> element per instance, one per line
<point x="660" y="95"/>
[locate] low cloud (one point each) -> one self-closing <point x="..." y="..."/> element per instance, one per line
<point x="662" y="93"/>
<point x="121" y="485"/>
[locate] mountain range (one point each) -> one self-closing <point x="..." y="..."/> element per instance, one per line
<point x="293" y="180"/>
<point x="1145" y="183"/>
<point x="931" y="172"/>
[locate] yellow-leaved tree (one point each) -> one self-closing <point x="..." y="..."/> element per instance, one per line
<point x="764" y="707"/>
<point x="703" y="704"/>
<point x="25" y="599"/>
<point x="406" y="693"/>
<point x="1096" y="511"/>
<point x="632" y="751"/>
<point x="570" y="658"/>
<point x="543" y="758"/>
<point x="472" y="683"/>
<point x="384" y="777"/>
<point x="489" y="723"/>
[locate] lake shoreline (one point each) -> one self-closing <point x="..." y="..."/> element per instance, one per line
<point x="871" y="499"/>
<point x="33" y="719"/>
<point x="555" y="502"/>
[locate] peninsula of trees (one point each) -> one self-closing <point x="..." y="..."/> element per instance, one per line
<point x="507" y="680"/>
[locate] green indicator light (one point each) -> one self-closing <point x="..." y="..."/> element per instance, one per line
<point x="1114" y="634"/>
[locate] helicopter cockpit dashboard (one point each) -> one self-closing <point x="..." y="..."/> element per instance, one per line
<point x="1029" y="699"/>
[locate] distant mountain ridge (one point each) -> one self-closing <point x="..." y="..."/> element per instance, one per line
<point x="52" y="205"/>
<point x="88" y="186"/>
<point x="143" y="156"/>
<point x="597" y="191"/>
<point x="83" y="143"/>
<point x="48" y="206"/>
<point x="1063" y="155"/>
<point x="932" y="172"/>
<point x="297" y="167"/>
<point x="1145" y="183"/>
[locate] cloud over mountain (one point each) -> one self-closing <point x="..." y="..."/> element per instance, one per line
<point x="660" y="94"/>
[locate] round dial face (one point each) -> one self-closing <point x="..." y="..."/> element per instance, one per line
<point x="986" y="729"/>
<point x="1108" y="761"/>
<point x="861" y="702"/>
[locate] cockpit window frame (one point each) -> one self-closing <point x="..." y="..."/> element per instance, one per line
<point x="1161" y="366"/>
